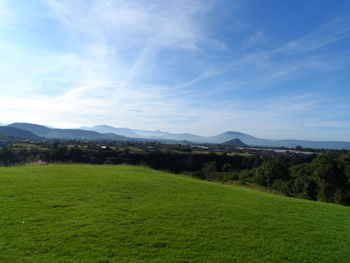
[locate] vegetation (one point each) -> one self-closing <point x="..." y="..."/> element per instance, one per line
<point x="324" y="177"/>
<point x="133" y="214"/>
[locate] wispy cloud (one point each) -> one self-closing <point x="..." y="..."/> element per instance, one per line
<point x="122" y="39"/>
<point x="276" y="70"/>
<point x="333" y="31"/>
<point x="165" y="23"/>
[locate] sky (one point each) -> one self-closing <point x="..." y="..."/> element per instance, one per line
<point x="269" y="68"/>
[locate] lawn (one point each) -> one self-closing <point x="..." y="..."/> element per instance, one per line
<point x="84" y="213"/>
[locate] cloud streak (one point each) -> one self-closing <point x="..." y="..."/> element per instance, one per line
<point x="335" y="30"/>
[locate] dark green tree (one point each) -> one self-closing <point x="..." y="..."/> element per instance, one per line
<point x="302" y="183"/>
<point x="227" y="167"/>
<point x="332" y="182"/>
<point x="346" y="161"/>
<point x="209" y="170"/>
<point x="271" y="171"/>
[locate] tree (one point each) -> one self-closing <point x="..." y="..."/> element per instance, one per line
<point x="302" y="183"/>
<point x="270" y="171"/>
<point x="246" y="175"/>
<point x="8" y="156"/>
<point x="227" y="167"/>
<point x="332" y="182"/>
<point x="208" y="170"/>
<point x="346" y="161"/>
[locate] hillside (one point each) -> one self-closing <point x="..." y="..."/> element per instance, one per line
<point x="135" y="214"/>
<point x="17" y="132"/>
<point x="67" y="134"/>
<point x="235" y="143"/>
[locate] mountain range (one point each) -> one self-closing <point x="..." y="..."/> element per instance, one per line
<point x="105" y="132"/>
<point x="221" y="138"/>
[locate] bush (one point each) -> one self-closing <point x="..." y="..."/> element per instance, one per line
<point x="231" y="176"/>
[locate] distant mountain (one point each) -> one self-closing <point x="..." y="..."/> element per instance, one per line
<point x="160" y="135"/>
<point x="109" y="129"/>
<point x="177" y="137"/>
<point x="156" y="135"/>
<point x="234" y="143"/>
<point x="221" y="138"/>
<point x="253" y="141"/>
<point x="2" y="124"/>
<point x="19" y="133"/>
<point x="105" y="132"/>
<point x="224" y="137"/>
<point x="67" y="134"/>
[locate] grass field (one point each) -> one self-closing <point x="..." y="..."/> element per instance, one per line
<point x="135" y="214"/>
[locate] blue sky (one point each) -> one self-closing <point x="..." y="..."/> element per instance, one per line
<point x="270" y="68"/>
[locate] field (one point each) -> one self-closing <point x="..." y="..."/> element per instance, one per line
<point x="135" y="214"/>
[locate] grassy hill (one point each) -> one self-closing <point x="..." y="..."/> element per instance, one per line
<point x="134" y="214"/>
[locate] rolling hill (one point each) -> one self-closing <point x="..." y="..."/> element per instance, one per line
<point x="135" y="214"/>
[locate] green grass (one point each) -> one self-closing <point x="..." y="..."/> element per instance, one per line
<point x="134" y="214"/>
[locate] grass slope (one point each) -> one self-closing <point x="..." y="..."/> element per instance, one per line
<point x="134" y="214"/>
